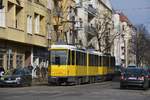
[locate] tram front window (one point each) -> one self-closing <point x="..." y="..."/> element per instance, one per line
<point x="58" y="57"/>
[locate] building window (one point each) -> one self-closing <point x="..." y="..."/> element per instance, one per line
<point x="1" y="60"/>
<point x="9" y="61"/>
<point x="2" y="17"/>
<point x="123" y="53"/>
<point x="2" y="14"/>
<point x="29" y="24"/>
<point x="18" y="23"/>
<point x="42" y="25"/>
<point x="10" y="12"/>
<point x="19" y="60"/>
<point x="37" y="23"/>
<point x="123" y="27"/>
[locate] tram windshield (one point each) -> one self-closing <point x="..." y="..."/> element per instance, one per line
<point x="59" y="57"/>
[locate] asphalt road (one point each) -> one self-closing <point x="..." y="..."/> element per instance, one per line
<point x="97" y="91"/>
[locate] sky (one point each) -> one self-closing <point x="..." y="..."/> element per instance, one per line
<point x="138" y="11"/>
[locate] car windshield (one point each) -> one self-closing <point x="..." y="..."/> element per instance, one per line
<point x="18" y="72"/>
<point x="134" y="71"/>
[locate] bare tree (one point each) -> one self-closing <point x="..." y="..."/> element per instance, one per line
<point x="140" y="45"/>
<point x="103" y="26"/>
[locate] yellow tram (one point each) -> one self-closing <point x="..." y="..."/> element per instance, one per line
<point x="69" y="64"/>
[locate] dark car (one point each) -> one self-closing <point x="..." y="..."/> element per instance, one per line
<point x="149" y="76"/>
<point x="132" y="66"/>
<point x="18" y="77"/>
<point x="134" y="77"/>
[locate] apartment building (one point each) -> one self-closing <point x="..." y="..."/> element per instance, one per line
<point x="23" y="32"/>
<point x="91" y="13"/>
<point x="63" y="21"/>
<point x="122" y="44"/>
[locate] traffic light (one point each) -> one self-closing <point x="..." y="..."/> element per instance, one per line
<point x="1" y="4"/>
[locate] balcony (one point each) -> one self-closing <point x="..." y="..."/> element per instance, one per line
<point x="38" y="2"/>
<point x="90" y="29"/>
<point x="122" y="56"/>
<point x="91" y="10"/>
<point x="57" y="13"/>
<point x="78" y="5"/>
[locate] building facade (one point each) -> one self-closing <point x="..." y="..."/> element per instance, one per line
<point x="91" y="13"/>
<point x="63" y="21"/>
<point x="122" y="43"/>
<point x="23" y="33"/>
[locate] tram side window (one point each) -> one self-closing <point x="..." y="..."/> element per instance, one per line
<point x="83" y="63"/>
<point x="91" y="60"/>
<point x="85" y="57"/>
<point x="80" y="58"/>
<point x="73" y="58"/>
<point x="96" y="62"/>
<point x="105" y="61"/>
<point x="69" y="60"/>
<point x="77" y="58"/>
<point x="113" y="61"/>
<point x="99" y="61"/>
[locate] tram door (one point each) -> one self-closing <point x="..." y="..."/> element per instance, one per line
<point x="71" y="66"/>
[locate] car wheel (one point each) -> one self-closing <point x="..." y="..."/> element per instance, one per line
<point x="29" y="84"/>
<point x="146" y="86"/>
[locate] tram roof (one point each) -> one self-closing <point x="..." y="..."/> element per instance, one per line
<point x="71" y="47"/>
<point x="95" y="52"/>
<point x="63" y="47"/>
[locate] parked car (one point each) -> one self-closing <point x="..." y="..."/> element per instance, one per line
<point x="18" y="77"/>
<point x="134" y="77"/>
<point x="132" y="66"/>
<point x="149" y="76"/>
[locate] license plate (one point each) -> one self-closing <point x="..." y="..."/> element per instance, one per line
<point x="9" y="81"/>
<point x="132" y="78"/>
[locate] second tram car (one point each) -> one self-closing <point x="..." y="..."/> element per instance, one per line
<point x="69" y="64"/>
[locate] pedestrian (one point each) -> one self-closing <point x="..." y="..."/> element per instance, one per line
<point x="43" y="72"/>
<point x="37" y="69"/>
<point x="30" y="67"/>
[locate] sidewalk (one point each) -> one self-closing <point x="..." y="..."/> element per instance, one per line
<point x="39" y="82"/>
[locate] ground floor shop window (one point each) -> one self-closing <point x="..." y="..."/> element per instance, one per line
<point x="9" y="61"/>
<point x="19" y="60"/>
<point x="1" y="60"/>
